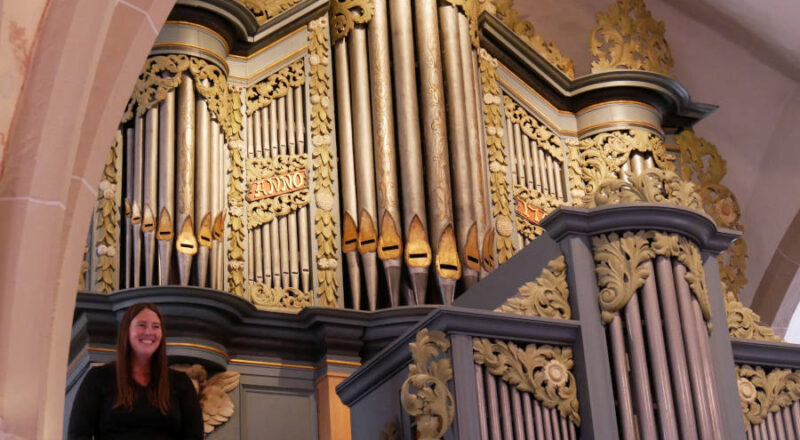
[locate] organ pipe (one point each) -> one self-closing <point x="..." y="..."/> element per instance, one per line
<point x="186" y="243"/>
<point x="166" y="187"/>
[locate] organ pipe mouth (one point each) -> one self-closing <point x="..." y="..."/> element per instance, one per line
<point x="165" y="231"/>
<point x="186" y="242"/>
<point x="367" y="235"/>
<point x="488" y="251"/>
<point x="149" y="220"/>
<point x="204" y="234"/>
<point x="418" y="251"/>
<point x="219" y="226"/>
<point x="390" y="245"/>
<point x="350" y="234"/>
<point x="448" y="265"/>
<point x="472" y="253"/>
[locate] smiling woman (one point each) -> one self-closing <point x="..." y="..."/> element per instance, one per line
<point x="137" y="396"/>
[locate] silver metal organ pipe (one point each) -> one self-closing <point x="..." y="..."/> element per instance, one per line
<point x="526" y="152"/>
<point x="543" y="165"/>
<point x="302" y="213"/>
<point x="537" y="172"/>
<point x="202" y="194"/>
<point x="519" y="157"/>
<point x="273" y="225"/>
<point x="220" y="224"/>
<point x="294" y="270"/>
<point x="254" y="147"/>
<point x="364" y="162"/>
<point x="447" y="262"/>
<point x="251" y="236"/>
<point x="415" y="221"/>
<point x="283" y="223"/>
<point x="136" y="208"/>
<point x="149" y="197"/>
<point x="347" y="170"/>
<point x="165" y="231"/>
<point x="266" y="235"/>
<point x="389" y="240"/>
<point x="186" y="243"/>
<point x="512" y="150"/>
<point x="216" y="205"/>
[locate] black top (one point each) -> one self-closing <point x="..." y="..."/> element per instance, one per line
<point x="93" y="413"/>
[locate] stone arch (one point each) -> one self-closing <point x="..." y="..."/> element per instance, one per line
<point x="87" y="57"/>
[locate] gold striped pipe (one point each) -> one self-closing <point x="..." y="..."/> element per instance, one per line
<point x="459" y="144"/>
<point x="473" y="109"/>
<point x="202" y="194"/>
<point x="294" y="264"/>
<point x="149" y="197"/>
<point x="347" y="170"/>
<point x="417" y="249"/>
<point x="165" y="230"/>
<point x="390" y="243"/>
<point x="447" y="262"/>
<point x="129" y="159"/>
<point x="186" y="243"/>
<point x="136" y="209"/>
<point x="302" y="213"/>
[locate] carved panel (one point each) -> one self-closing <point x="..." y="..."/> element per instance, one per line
<point x="762" y="393"/>
<point x="547" y="296"/>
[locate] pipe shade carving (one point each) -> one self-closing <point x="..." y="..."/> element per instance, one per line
<point x="547" y="296"/>
<point x="107" y="222"/>
<point x="762" y="393"/>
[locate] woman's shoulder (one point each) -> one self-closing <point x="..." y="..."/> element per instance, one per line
<point x="179" y="379"/>
<point x="103" y="371"/>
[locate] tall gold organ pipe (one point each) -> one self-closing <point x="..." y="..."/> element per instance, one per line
<point x="273" y="225"/>
<point x="165" y="230"/>
<point x="129" y="159"/>
<point x="365" y="167"/>
<point x="202" y="193"/>
<point x="149" y="196"/>
<point x="471" y="101"/>
<point x="254" y="150"/>
<point x="417" y="252"/>
<point x="294" y="264"/>
<point x="447" y="263"/>
<point x="266" y="242"/>
<point x="459" y="145"/>
<point x="302" y="213"/>
<point x="186" y="243"/>
<point x="390" y="240"/>
<point x="283" y="222"/>
<point x="136" y="209"/>
<point x="216" y="203"/>
<point x="347" y="170"/>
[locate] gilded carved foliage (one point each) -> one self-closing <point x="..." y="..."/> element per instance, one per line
<point x="745" y="323"/>
<point x="236" y="217"/>
<point x="107" y="221"/>
<point x="424" y="395"/>
<point x="266" y="9"/>
<point x="498" y="163"/>
<point x="600" y="158"/>
<point x="265" y="210"/>
<point x="762" y="393"/>
<point x="652" y="185"/>
<point x="621" y="268"/>
<point x="163" y="73"/>
<point x="274" y="86"/>
<point x="544" y="138"/>
<point x="547" y="296"/>
<point x="533" y="199"/>
<point x="324" y="190"/>
<point x="345" y="14"/>
<point x="628" y="37"/>
<point x="543" y="371"/>
<point x="266" y="297"/>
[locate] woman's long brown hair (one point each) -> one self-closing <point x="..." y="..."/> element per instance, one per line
<point x="158" y="388"/>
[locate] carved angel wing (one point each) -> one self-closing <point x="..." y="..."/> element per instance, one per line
<point x="217" y="405"/>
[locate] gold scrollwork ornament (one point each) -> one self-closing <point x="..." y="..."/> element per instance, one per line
<point x="345" y="14"/>
<point x="424" y="395"/>
<point x="547" y="296"/>
<point x="266" y="297"/>
<point x="620" y="268"/>
<point x="275" y="86"/>
<point x="266" y="9"/>
<point x="107" y="221"/>
<point x="762" y="393"/>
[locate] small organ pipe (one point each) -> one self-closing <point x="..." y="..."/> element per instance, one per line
<point x="216" y="192"/>
<point x="266" y="236"/>
<point x="638" y="361"/>
<point x="527" y="410"/>
<point x="136" y="208"/>
<point x="516" y="407"/>
<point x="537" y="171"/>
<point x="492" y="403"/>
<point x="621" y="378"/>
<point x="481" y="393"/>
<point x="202" y="192"/>
<point x="283" y="221"/>
<point x="526" y="152"/>
<point x="294" y="264"/>
<point x="303" y="213"/>
<point x="251" y="236"/>
<point x="519" y="157"/>
<point x="166" y="186"/>
<point x="537" y="414"/>
<point x="149" y="193"/>
<point x="274" y="230"/>
<point x="129" y="160"/>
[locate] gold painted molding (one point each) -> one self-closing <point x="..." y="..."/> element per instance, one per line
<point x="431" y="403"/>
<point x="621" y="270"/>
<point x="547" y="296"/>
<point x="498" y="163"/>
<point x="762" y="393"/>
<point x="274" y="86"/>
<point x="543" y="371"/>
<point x="266" y="9"/>
<point x="107" y="221"/>
<point x="346" y="14"/>
<point x="324" y="191"/>
<point x="628" y="37"/>
<point x="269" y="298"/>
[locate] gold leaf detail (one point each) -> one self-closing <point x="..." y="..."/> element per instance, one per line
<point x="107" y="221"/>
<point x="652" y="185"/>
<point x="628" y="37"/>
<point x="236" y="211"/>
<point x="265" y="210"/>
<point x="531" y="197"/>
<point x="745" y="323"/>
<point x="620" y="268"/>
<point x="544" y="137"/>
<point x="324" y="190"/>
<point x="430" y="402"/>
<point x="269" y="298"/>
<point x="345" y="14"/>
<point x="547" y="296"/>
<point x="266" y="9"/>
<point x="762" y="393"/>
<point x="544" y="371"/>
<point x="498" y="181"/>
<point x="274" y="87"/>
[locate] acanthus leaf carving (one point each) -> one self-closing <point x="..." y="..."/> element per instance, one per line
<point x="620" y="268"/>
<point x="263" y="10"/>
<point x="274" y="86"/>
<point x="424" y="394"/>
<point x="345" y="14"/>
<point x="266" y="297"/>
<point x="547" y="296"/>
<point x="762" y="393"/>
<point x="107" y="221"/>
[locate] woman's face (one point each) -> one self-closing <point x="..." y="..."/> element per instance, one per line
<point x="145" y="333"/>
